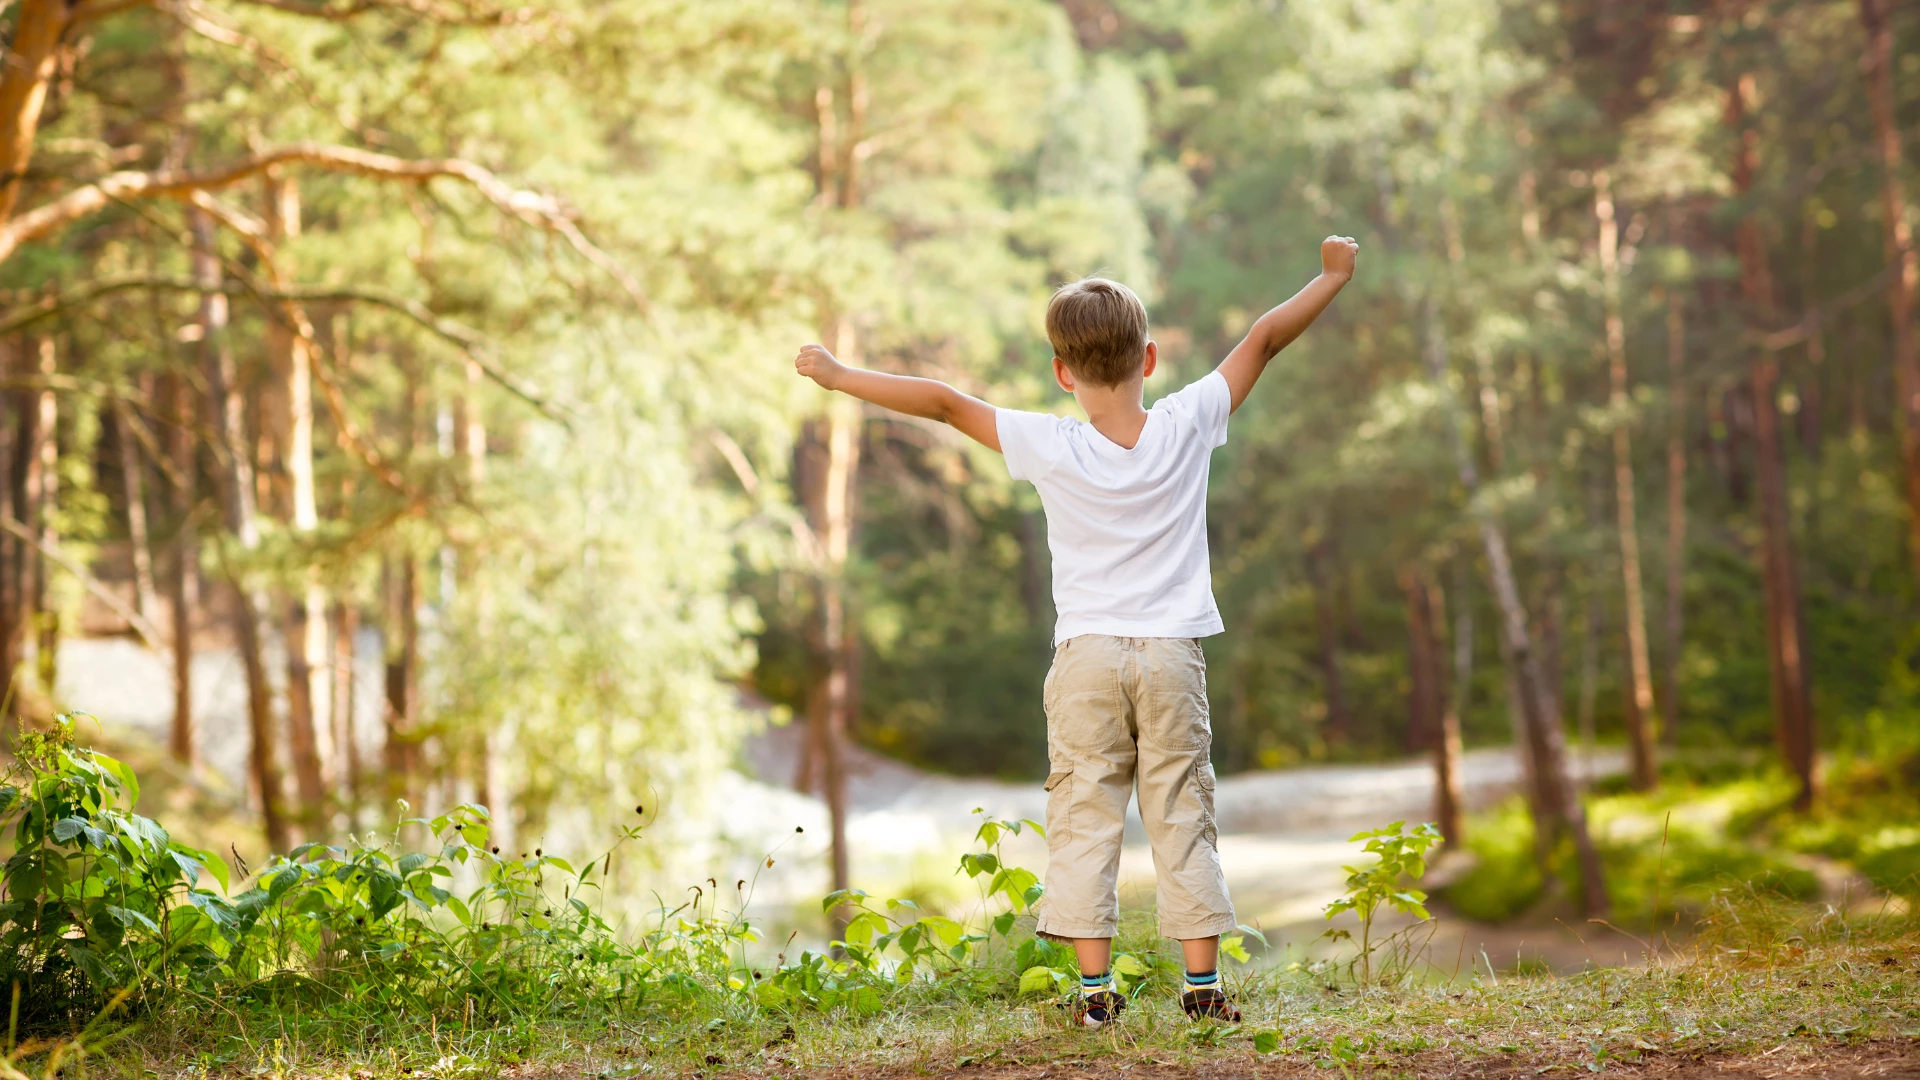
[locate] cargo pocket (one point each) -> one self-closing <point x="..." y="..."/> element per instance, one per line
<point x="1203" y="793"/>
<point x="1059" y="807"/>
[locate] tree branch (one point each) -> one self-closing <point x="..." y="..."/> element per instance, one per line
<point x="1811" y="321"/>
<point x="538" y="210"/>
<point x="460" y="13"/>
<point x="94" y="10"/>
<point x="147" y="631"/>
<point x="466" y="14"/>
<point x="471" y="343"/>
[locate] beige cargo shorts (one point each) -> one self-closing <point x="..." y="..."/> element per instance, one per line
<point x="1121" y="713"/>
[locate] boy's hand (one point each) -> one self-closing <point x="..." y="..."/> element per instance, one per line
<point x="1277" y="328"/>
<point x="816" y="363"/>
<point x="1337" y="256"/>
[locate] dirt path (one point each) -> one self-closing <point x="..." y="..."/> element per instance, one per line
<point x="1894" y="1059"/>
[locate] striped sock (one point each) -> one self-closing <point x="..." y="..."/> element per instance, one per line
<point x="1093" y="984"/>
<point x="1202" y="980"/>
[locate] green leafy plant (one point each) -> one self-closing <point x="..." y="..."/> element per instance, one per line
<point x="97" y="898"/>
<point x="883" y="946"/>
<point x="1401" y="855"/>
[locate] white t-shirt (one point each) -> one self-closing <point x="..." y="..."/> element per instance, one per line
<point x="1127" y="528"/>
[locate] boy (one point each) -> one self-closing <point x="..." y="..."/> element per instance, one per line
<point x="1125" y="494"/>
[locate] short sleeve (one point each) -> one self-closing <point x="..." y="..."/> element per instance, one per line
<point x="1028" y="441"/>
<point x="1209" y="401"/>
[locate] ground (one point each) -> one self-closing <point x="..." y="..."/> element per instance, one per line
<point x="1879" y="1059"/>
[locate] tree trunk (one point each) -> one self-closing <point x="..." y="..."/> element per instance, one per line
<point x="1546" y="743"/>
<point x="1589" y="687"/>
<point x="183" y="584"/>
<point x="833" y="511"/>
<point x="1807" y="383"/>
<point x="832" y="716"/>
<point x="1460" y="694"/>
<point x="346" y="627"/>
<point x="24" y="614"/>
<point x="46" y="631"/>
<point x="1427" y="701"/>
<point x="1339" y="724"/>
<point x="1676" y="507"/>
<point x="1786" y="631"/>
<point x="23" y="90"/>
<point x="146" y="599"/>
<point x="250" y="609"/>
<point x="1642" y="721"/>
<point x="1899" y="247"/>
<point x="308" y="685"/>
<point x="10" y="591"/>
<point x="498" y="743"/>
<point x="402" y="634"/>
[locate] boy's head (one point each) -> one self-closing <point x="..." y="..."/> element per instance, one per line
<point x="1099" y="331"/>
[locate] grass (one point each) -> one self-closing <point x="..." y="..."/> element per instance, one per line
<point x="353" y="963"/>
<point x="1764" y="974"/>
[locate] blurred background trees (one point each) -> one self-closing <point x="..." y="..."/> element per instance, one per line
<point x="461" y="331"/>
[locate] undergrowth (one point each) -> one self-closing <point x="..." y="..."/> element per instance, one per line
<point x="127" y="953"/>
<point x="1668" y="853"/>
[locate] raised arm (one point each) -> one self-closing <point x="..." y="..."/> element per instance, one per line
<point x="1277" y="328"/>
<point x="928" y="398"/>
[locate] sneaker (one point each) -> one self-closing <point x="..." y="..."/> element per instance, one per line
<point x="1097" y="1009"/>
<point x="1209" y="1004"/>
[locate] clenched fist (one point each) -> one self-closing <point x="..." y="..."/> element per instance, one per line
<point x="1337" y="255"/>
<point x="816" y="363"/>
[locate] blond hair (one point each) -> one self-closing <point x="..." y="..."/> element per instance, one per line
<point x="1099" y="330"/>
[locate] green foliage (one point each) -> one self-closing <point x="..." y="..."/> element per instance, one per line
<point x="1505" y="878"/>
<point x="104" y="913"/>
<point x="454" y="960"/>
<point x="1718" y="824"/>
<point x="1400" y="856"/>
<point x="98" y="898"/>
<point x="102" y="904"/>
<point x="884" y="947"/>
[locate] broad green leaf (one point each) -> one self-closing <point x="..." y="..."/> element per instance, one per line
<point x="130" y="918"/>
<point x="1016" y="882"/>
<point x="864" y="927"/>
<point x="945" y="930"/>
<point x="866" y="1001"/>
<point x="129" y="783"/>
<point x="1036" y="980"/>
<point x="841" y="896"/>
<point x="90" y="964"/>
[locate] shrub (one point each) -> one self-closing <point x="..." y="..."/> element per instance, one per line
<point x="98" y="898"/>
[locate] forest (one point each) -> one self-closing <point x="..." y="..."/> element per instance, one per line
<point x="452" y="340"/>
